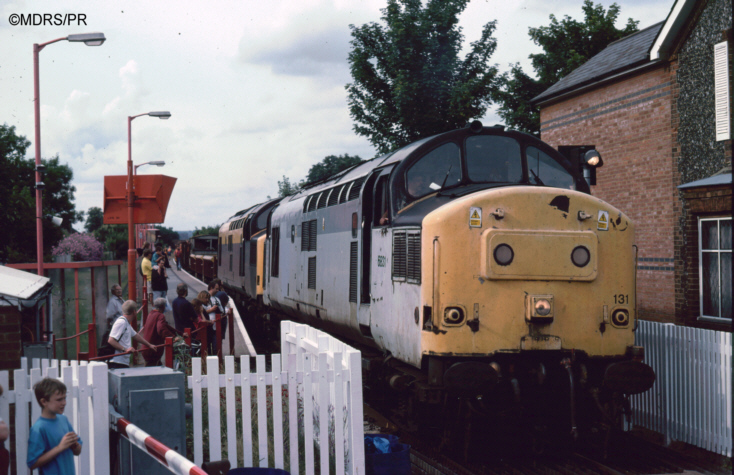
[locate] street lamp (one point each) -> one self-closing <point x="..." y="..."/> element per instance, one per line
<point x="138" y="228"/>
<point x="158" y="163"/>
<point x="131" y="202"/>
<point x="90" y="39"/>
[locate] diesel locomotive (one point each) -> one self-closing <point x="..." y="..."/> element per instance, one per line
<point x="473" y="266"/>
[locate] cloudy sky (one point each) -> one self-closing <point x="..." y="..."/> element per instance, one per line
<point x="255" y="88"/>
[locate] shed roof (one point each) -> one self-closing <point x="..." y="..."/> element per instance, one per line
<point x="16" y="285"/>
<point x="720" y="179"/>
<point x="622" y="55"/>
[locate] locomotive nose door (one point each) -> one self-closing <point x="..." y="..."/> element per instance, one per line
<point x="375" y="226"/>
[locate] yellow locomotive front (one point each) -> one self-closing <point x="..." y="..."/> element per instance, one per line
<point x="521" y="269"/>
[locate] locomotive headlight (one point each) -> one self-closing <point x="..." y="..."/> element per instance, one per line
<point x="453" y="316"/>
<point x="503" y="254"/>
<point x="539" y="308"/>
<point x="620" y="317"/>
<point x="542" y="307"/>
<point x="580" y="256"/>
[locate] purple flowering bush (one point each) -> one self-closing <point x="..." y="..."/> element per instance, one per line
<point x="82" y="247"/>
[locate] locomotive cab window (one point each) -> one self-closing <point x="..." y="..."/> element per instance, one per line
<point x="545" y="171"/>
<point x="493" y="159"/>
<point x="428" y="173"/>
<point x="381" y="216"/>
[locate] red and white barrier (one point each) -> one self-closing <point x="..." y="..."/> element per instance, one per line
<point x="169" y="458"/>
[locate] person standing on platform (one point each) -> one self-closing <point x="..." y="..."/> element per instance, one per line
<point x="184" y="315"/>
<point x="146" y="267"/>
<point x="156" y="330"/>
<point x="114" y="305"/>
<point x="159" y="283"/>
<point x="210" y="309"/>
<point x="177" y="256"/>
<point x="122" y="336"/>
<point x="227" y="304"/>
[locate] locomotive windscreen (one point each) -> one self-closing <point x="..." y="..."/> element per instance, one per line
<point x="493" y="159"/>
<point x="543" y="170"/>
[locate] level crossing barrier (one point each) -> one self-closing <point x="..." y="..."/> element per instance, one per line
<point x="691" y="400"/>
<point x="87" y="409"/>
<point x="167" y="457"/>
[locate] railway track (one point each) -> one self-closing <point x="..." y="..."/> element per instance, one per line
<point x="636" y="456"/>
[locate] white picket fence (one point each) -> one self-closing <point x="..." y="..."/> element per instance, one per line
<point x="87" y="409"/>
<point x="691" y="400"/>
<point x="314" y="390"/>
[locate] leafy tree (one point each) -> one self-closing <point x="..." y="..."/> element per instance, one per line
<point x="115" y="239"/>
<point x="408" y="79"/>
<point x="285" y="188"/>
<point x="567" y="44"/>
<point x="95" y="217"/>
<point x="167" y="236"/>
<point x="331" y="165"/>
<point x="17" y="206"/>
<point x="206" y="230"/>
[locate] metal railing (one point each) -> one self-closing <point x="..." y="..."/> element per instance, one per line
<point x="691" y="400"/>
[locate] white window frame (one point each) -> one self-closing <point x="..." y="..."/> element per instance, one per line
<point x="721" y="91"/>
<point x="718" y="251"/>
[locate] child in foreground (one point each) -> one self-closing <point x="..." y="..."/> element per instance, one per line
<point x="52" y="443"/>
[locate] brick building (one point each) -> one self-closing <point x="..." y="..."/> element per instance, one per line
<point x="657" y="106"/>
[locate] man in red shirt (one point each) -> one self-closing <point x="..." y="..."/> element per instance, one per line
<point x="155" y="330"/>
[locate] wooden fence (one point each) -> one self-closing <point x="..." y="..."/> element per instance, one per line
<point x="87" y="409"/>
<point x="309" y="401"/>
<point x="691" y="400"/>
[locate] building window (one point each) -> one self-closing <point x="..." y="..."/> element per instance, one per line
<point x="715" y="268"/>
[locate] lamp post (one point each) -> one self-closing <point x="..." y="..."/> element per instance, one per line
<point x="89" y="39"/>
<point x="138" y="229"/>
<point x="131" y="203"/>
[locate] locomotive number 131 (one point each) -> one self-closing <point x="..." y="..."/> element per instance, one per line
<point x="621" y="299"/>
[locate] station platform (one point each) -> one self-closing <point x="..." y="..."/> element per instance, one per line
<point x="242" y="343"/>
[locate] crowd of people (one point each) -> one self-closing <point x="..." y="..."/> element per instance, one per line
<point x="52" y="442"/>
<point x="198" y="314"/>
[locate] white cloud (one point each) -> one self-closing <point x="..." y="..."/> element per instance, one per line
<point x="256" y="89"/>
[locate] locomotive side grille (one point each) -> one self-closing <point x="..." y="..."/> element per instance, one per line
<point x="334" y="197"/>
<point x="312" y="272"/>
<point x="312" y="235"/>
<point x="304" y="235"/>
<point x="353" y="271"/>
<point x="356" y="187"/>
<point x="399" y="254"/>
<point x="414" y="258"/>
<point x="275" y="258"/>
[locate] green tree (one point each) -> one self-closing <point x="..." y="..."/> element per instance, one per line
<point x="331" y="165"/>
<point x="167" y="236"/>
<point x="95" y="218"/>
<point x="207" y="230"/>
<point x="17" y="206"/>
<point x="408" y="79"/>
<point x="114" y="237"/>
<point x="567" y="44"/>
<point x="285" y="188"/>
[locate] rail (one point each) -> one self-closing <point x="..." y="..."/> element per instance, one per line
<point x="92" y="343"/>
<point x="169" y="458"/>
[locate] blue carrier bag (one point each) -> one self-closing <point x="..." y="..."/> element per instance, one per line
<point x="384" y="455"/>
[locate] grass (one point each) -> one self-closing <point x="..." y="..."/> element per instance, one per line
<point x="64" y="305"/>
